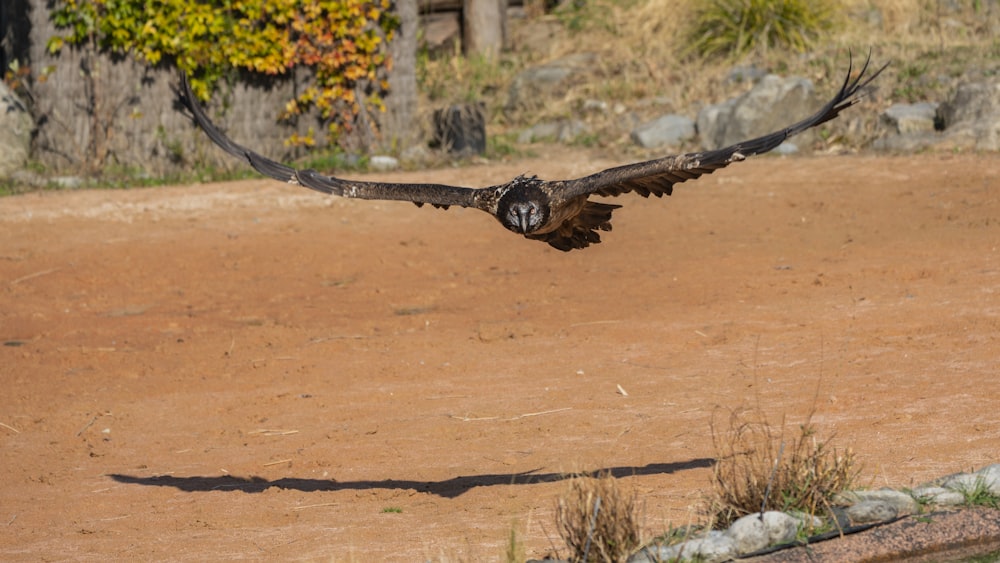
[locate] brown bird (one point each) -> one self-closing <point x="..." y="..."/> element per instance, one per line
<point x="558" y="212"/>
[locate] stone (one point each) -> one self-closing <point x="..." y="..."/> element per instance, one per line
<point x="938" y="495"/>
<point x="383" y="163"/>
<point x="901" y="502"/>
<point x="714" y="547"/>
<point x="16" y="125"/>
<point x="971" y="117"/>
<point x="757" y="531"/>
<point x="461" y="128"/>
<point x="668" y="130"/>
<point x="968" y="482"/>
<point x="905" y="119"/>
<point x="563" y="131"/>
<point x="868" y="511"/>
<point x="767" y="107"/>
<point x="992" y="475"/>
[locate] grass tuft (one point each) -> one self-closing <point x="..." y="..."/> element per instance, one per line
<point x="760" y="468"/>
<point x="736" y="27"/>
<point x="597" y="520"/>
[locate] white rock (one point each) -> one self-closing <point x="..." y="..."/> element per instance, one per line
<point x="756" y="531"/>
<point x="938" y="495"/>
<point x="714" y="547"/>
<point x="382" y="163"/>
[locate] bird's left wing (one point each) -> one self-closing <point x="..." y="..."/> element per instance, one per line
<point x="438" y="195"/>
<point x="657" y="177"/>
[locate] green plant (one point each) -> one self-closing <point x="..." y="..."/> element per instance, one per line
<point x="736" y="27"/>
<point x="980" y="494"/>
<point x="392" y="510"/>
<point x="342" y="43"/>
<point x="597" y="520"/>
<point x="758" y="469"/>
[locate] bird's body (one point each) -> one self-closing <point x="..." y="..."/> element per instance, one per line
<point x="558" y="212"/>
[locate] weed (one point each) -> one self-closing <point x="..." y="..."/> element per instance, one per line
<point x="597" y="520"/>
<point x="392" y="510"/>
<point x="514" y="548"/>
<point x="979" y="494"/>
<point x="736" y="27"/>
<point x="759" y="468"/>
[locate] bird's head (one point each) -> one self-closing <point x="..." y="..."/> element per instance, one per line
<point x="523" y="207"/>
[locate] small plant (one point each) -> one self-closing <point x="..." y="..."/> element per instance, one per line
<point x="597" y="520"/>
<point x="514" y="548"/>
<point x="758" y="468"/>
<point x="979" y="494"/>
<point x="392" y="510"/>
<point x="736" y="27"/>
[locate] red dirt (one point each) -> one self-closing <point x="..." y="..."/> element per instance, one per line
<point x="251" y="370"/>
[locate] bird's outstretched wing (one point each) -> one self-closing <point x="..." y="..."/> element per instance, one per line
<point x="657" y="177"/>
<point x="438" y="195"/>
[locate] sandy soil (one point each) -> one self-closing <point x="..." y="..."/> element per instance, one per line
<point x="250" y="370"/>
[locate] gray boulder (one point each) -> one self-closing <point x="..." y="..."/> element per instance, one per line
<point x="668" y="130"/>
<point x="905" y="119"/>
<point x="771" y="104"/>
<point x="16" y="125"/>
<point x="563" y="131"/>
<point x="971" y="117"/>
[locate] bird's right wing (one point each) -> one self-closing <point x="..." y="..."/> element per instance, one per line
<point x="438" y="195"/>
<point x="657" y="177"/>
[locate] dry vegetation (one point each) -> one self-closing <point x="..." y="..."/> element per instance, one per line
<point x="645" y="61"/>
<point x="597" y="520"/>
<point x="759" y="466"/>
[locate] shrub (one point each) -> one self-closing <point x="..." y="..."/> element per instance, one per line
<point x="759" y="468"/>
<point x="597" y="520"/>
<point x="736" y="27"/>
<point x="342" y="43"/>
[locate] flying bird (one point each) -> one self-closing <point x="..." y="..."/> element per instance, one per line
<point x="558" y="212"/>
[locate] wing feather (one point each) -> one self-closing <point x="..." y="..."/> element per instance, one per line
<point x="438" y="195"/>
<point x="657" y="177"/>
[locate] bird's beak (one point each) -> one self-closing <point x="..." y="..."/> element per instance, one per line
<point x="523" y="219"/>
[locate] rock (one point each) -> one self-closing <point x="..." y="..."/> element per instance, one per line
<point x="938" y="495"/>
<point x="756" y="531"/>
<point x="901" y="502"/>
<point x="16" y="125"/>
<point x="904" y="119"/>
<point x="868" y="511"/>
<point x="461" y="128"/>
<point x="969" y="482"/>
<point x="971" y="117"/>
<point x="768" y="106"/>
<point x="714" y="547"/>
<point x="563" y="131"/>
<point x="907" y="143"/>
<point x="668" y="130"/>
<point x="537" y="85"/>
<point x="992" y="475"/>
<point x="383" y="163"/>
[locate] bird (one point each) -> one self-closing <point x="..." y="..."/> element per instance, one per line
<point x="557" y="212"/>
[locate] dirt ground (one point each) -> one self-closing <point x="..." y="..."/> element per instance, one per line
<point x="250" y="370"/>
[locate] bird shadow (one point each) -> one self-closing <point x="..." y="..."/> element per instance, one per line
<point x="448" y="488"/>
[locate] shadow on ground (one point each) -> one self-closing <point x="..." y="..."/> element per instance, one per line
<point x="449" y="488"/>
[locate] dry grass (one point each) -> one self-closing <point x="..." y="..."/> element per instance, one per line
<point x="598" y="521"/>
<point x="644" y="66"/>
<point x="763" y="467"/>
